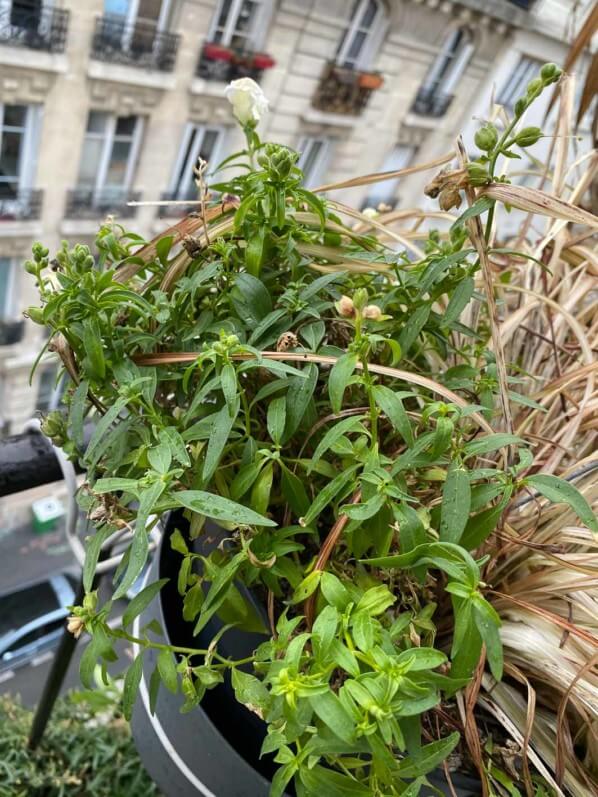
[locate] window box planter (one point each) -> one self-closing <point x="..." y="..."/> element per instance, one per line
<point x="345" y="91"/>
<point x="215" y="52"/>
<point x="370" y="80"/>
<point x="262" y="61"/>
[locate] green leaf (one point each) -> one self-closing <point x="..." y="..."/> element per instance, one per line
<point x="422" y="658"/>
<point x="375" y="600"/>
<point x="309" y="585"/>
<point x="131" y="686"/>
<point x="160" y="458"/>
<point x="392" y="406"/>
<point x="254" y="252"/>
<point x="333" y="590"/>
<point x="324" y="630"/>
<point x="430" y="756"/>
<point x="221" y="429"/>
<point x="490" y="442"/>
<point x="93" y="451"/>
<point x="363" y="631"/>
<point x="299" y="394"/>
<point x="171" y="436"/>
<point x="228" y="385"/>
<point x="411" y="330"/>
<point x="327" y="783"/>
<point x="488" y="623"/>
<point x="92" y="553"/>
<point x="219" y="508"/>
<point x="251" y="299"/>
<point x="442" y="437"/>
<point x="140" y="602"/>
<point x="94" y="354"/>
<point x="447" y="556"/>
<point x="480" y="526"/>
<point x="167" y="669"/>
<point x="276" y="418"/>
<point x="294" y="492"/>
<point x="334" y="434"/>
<point x="326" y="494"/>
<point x="456" y="501"/>
<point x="260" y="494"/>
<point x="113" y="485"/>
<point x="479" y="206"/>
<point x="560" y="491"/>
<point x="340" y="373"/>
<point x="97" y="647"/>
<point x="331" y="711"/>
<point x="77" y="413"/>
<point x="313" y="333"/>
<point x="245" y="478"/>
<point x="249" y="689"/>
<point x="459" y="300"/>
<point x="219" y="589"/>
<point x="193" y="602"/>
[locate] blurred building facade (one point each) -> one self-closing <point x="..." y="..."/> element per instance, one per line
<point x="107" y="101"/>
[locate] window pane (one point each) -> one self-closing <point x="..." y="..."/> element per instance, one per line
<point x="356" y="45"/>
<point x="208" y="144"/>
<point x="222" y="19"/>
<point x="5" y="274"/>
<point x="120" y="7"/>
<point x="149" y="10"/>
<point x="90" y="162"/>
<point x="245" y="18"/>
<point x="96" y="122"/>
<point x="14" y="115"/>
<point x="309" y="158"/>
<point x="117" y="168"/>
<point x="125" y="125"/>
<point x="10" y="154"/>
<point x="369" y="15"/>
<point x="183" y="178"/>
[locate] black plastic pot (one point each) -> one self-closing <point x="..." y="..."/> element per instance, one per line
<point x="214" y="749"/>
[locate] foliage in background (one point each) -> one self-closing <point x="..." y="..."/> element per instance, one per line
<point x="344" y="409"/>
<point x="87" y="751"/>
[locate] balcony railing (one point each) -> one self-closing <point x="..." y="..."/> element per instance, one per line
<point x="82" y="203"/>
<point x="11" y="332"/>
<point x="20" y="205"/>
<point x="345" y="91"/>
<point x="217" y="62"/>
<point x="431" y="102"/>
<point x="139" y="45"/>
<point x="41" y="29"/>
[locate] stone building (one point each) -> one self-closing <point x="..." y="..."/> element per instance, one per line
<point x="107" y="101"/>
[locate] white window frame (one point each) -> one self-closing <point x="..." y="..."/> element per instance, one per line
<point x="109" y="137"/>
<point x="131" y="16"/>
<point x="373" y="36"/>
<point x="526" y="68"/>
<point x="7" y="313"/>
<point x="399" y="157"/>
<point x="255" y="36"/>
<point x="320" y="165"/>
<point x="180" y="167"/>
<point x="445" y="74"/>
<point x="29" y="144"/>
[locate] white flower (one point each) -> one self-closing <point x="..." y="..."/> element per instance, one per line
<point x="248" y="100"/>
<point x="370" y="213"/>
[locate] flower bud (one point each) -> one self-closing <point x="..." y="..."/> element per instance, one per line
<point x="520" y="106"/>
<point x="478" y="174"/>
<point x="372" y="312"/>
<point x="528" y="136"/>
<point x="36" y="314"/>
<point x="345" y="307"/>
<point x="248" y="100"/>
<point x="370" y="213"/>
<point x="30" y="267"/>
<point x="75" y="626"/>
<point x="535" y="86"/>
<point x="360" y="298"/>
<point x="486" y="138"/>
<point x="550" y="73"/>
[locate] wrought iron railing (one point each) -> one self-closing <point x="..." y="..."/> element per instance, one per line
<point x="20" y="205"/>
<point x="82" y="203"/>
<point x="38" y="29"/>
<point x="345" y="91"/>
<point x="11" y="332"/>
<point x="431" y="102"/>
<point x="139" y="44"/>
<point x="178" y="210"/>
<point x="217" y="62"/>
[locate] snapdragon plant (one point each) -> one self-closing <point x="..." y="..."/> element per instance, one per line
<point x="330" y="402"/>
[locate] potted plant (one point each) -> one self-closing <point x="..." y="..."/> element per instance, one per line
<point x="370" y="80"/>
<point x="217" y="52"/>
<point x="333" y="446"/>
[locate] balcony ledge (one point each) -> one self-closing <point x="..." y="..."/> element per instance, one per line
<point x="21" y="229"/>
<point x="133" y="75"/>
<point x="33" y="59"/>
<point x="213" y="88"/>
<point x="314" y="116"/>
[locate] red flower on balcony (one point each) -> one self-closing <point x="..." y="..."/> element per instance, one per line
<point x="216" y="52"/>
<point x="262" y="61"/>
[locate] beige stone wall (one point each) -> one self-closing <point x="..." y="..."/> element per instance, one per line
<point x="302" y="36"/>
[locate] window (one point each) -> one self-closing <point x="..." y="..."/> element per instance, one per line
<point x="18" y="145"/>
<point x="236" y="22"/>
<point x="151" y="12"/>
<point x="25" y="13"/>
<point x="386" y="192"/>
<point x="8" y="289"/>
<point x="354" y="48"/>
<point x="314" y="156"/>
<point x="109" y="153"/>
<point x="441" y="81"/>
<point x="198" y="142"/>
<point x="515" y="87"/>
<point x="46" y="390"/>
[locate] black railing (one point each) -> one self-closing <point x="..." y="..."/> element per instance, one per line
<point x="81" y="203"/>
<point x="431" y="102"/>
<point x="20" y="205"/>
<point x="179" y="210"/>
<point x="39" y="29"/>
<point x="139" y="44"/>
<point x="345" y="91"/>
<point x="217" y="62"/>
<point x="11" y="332"/>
